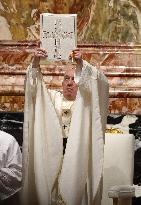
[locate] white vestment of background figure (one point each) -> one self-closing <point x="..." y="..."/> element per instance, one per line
<point x="10" y="166"/>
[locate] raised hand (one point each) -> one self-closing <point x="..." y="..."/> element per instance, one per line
<point x="39" y="53"/>
<point x="76" y="55"/>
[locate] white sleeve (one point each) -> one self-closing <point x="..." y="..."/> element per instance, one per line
<point x="11" y="170"/>
<point x="85" y="71"/>
<point x="88" y="72"/>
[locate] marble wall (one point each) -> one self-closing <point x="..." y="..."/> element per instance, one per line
<point x="109" y="34"/>
<point x="120" y="63"/>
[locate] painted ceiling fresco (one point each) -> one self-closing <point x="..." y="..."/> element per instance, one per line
<point x="99" y="21"/>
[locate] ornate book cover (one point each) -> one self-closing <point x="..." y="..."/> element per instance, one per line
<point x="58" y="34"/>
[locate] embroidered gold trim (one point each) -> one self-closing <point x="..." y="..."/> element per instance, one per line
<point x="114" y="130"/>
<point x="60" y="200"/>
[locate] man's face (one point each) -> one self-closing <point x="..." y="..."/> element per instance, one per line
<point x="69" y="86"/>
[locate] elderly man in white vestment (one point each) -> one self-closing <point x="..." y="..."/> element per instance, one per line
<point x="10" y="166"/>
<point x="74" y="119"/>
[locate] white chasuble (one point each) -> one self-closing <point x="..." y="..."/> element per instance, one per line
<point x="78" y="173"/>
